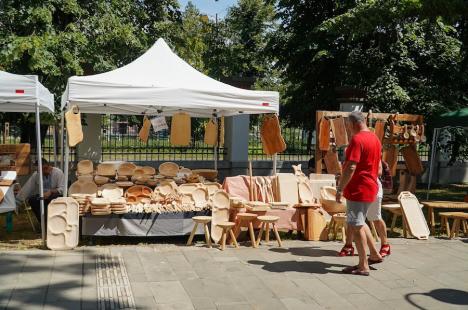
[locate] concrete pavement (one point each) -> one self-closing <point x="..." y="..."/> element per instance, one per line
<point x="429" y="274"/>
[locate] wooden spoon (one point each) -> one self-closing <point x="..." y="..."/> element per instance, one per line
<point x="423" y="137"/>
<point x="413" y="132"/>
<point x="417" y="138"/>
<point x="406" y="134"/>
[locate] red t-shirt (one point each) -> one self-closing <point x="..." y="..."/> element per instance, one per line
<point x="364" y="149"/>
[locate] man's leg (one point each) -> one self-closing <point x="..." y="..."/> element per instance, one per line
<point x="360" y="239"/>
<point x="381" y="228"/>
<point x="374" y="254"/>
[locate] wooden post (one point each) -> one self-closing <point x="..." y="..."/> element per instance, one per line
<point x="318" y="152"/>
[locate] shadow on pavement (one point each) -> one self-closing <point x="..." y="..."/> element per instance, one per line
<point x="445" y="295"/>
<point x="306" y="251"/>
<point x="295" y="266"/>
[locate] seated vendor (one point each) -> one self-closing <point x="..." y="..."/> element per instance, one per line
<point x="53" y="180"/>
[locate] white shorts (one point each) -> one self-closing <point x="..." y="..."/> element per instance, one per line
<point x="374" y="213"/>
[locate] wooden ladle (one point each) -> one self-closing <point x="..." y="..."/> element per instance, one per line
<point x="417" y="137"/>
<point x="406" y="133"/>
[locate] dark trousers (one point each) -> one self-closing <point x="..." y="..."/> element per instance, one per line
<point x="35" y="204"/>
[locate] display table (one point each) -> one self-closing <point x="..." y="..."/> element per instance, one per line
<point x="452" y="205"/>
<point x="141" y="224"/>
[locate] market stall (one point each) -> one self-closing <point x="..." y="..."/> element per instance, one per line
<point x="25" y="94"/>
<point x="156" y="84"/>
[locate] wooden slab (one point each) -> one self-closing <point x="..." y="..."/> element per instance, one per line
<point x="412" y="160"/>
<point x="338" y="127"/>
<point x="332" y="163"/>
<point x="287" y="188"/>
<point x="349" y="128"/>
<point x="74" y="130"/>
<point x="324" y="135"/>
<point x="390" y="156"/>
<point x="414" y="216"/>
<point x="380" y="130"/>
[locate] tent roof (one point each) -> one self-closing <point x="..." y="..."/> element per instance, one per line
<point x="159" y="81"/>
<point x="18" y="94"/>
<point x="458" y="118"/>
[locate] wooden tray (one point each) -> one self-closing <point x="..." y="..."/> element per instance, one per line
<point x="413" y="216"/>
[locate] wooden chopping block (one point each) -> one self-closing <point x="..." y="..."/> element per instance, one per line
<point x="180" y="129"/>
<point x="211" y="133"/>
<point x="412" y="160"/>
<point x="380" y="130"/>
<point x="332" y="163"/>
<point x="74" y="129"/>
<point x="145" y="130"/>
<point x="324" y="135"/>
<point x="390" y="156"/>
<point x="339" y="131"/>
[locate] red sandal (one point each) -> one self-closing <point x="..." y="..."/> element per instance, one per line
<point x="346" y="251"/>
<point x="385" y="250"/>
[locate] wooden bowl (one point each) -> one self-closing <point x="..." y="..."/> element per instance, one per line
<point x="209" y="174"/>
<point x="168" y="169"/>
<point x="85" y="167"/>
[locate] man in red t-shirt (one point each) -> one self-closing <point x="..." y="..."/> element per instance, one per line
<point x="359" y="182"/>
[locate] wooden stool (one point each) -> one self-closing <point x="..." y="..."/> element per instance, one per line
<point x="458" y="218"/>
<point x="227" y="228"/>
<point x="338" y="221"/>
<point x="201" y="220"/>
<point x="266" y="220"/>
<point x="248" y="218"/>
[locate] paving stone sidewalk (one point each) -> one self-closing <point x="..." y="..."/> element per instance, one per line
<point x="429" y="274"/>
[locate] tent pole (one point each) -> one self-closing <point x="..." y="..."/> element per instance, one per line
<point x="435" y="138"/>
<point x="62" y="124"/>
<point x="55" y="145"/>
<point x="66" y="159"/>
<point x="39" y="164"/>
<point x="215" y="148"/>
<point x="275" y="158"/>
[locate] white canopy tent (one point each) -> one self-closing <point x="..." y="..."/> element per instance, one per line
<point x="25" y="94"/>
<point x="161" y="83"/>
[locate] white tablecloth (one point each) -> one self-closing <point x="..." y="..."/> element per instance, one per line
<point x="8" y="204"/>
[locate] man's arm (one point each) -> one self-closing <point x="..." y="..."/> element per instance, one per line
<point x="348" y="172"/>
<point x="60" y="177"/>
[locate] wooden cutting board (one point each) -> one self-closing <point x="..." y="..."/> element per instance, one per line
<point x="338" y="127"/>
<point x="74" y="129"/>
<point x="412" y="160"/>
<point x="332" y="163"/>
<point x="270" y="133"/>
<point x="324" y="135"/>
<point x="380" y="130"/>
<point x="180" y="129"/>
<point x="287" y="188"/>
<point x="211" y="133"/>
<point x="390" y="156"/>
<point x="413" y="216"/>
<point x="145" y="130"/>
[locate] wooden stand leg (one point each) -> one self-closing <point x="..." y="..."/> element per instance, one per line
<point x="447" y="226"/>
<point x="192" y="234"/>
<point x="267" y="233"/>
<point x="252" y="235"/>
<point x="465" y="227"/>
<point x="432" y="220"/>
<point x="231" y="233"/>
<point x="260" y="233"/>
<point x="394" y="218"/>
<point x="405" y="230"/>
<point x="277" y="235"/>
<point x="223" y="239"/>
<point x="455" y="228"/>
<point x="330" y="227"/>
<point x="207" y="235"/>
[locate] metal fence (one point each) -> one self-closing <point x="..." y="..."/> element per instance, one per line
<point x="120" y="141"/>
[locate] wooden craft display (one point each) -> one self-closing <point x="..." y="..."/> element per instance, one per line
<point x="391" y="130"/>
<point x="20" y="155"/>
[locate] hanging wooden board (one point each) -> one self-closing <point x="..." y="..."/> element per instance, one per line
<point x="380" y="130"/>
<point x="349" y="128"/>
<point x="339" y="131"/>
<point x="390" y="156"/>
<point x="332" y="163"/>
<point x="412" y="160"/>
<point x="324" y="135"/>
<point x="73" y="123"/>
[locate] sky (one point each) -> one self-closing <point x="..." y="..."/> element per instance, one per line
<point x="211" y="7"/>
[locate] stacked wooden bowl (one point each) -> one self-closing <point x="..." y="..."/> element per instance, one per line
<point x="100" y="206"/>
<point x="84" y="202"/>
<point x="118" y="206"/>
